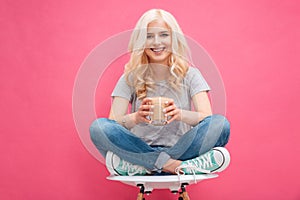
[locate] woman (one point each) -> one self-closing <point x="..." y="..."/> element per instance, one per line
<point x="191" y="141"/>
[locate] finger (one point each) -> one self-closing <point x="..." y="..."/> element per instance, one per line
<point x="147" y="119"/>
<point x="144" y="119"/>
<point x="169" y="108"/>
<point x="144" y="113"/>
<point x="173" y="114"/>
<point x="171" y="119"/>
<point x="145" y="107"/>
<point x="147" y="101"/>
<point x="169" y="102"/>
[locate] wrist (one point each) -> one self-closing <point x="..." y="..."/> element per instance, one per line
<point x="134" y="118"/>
<point x="124" y="121"/>
<point x="129" y="121"/>
<point x="179" y="115"/>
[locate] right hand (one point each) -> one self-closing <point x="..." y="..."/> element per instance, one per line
<point x="143" y="111"/>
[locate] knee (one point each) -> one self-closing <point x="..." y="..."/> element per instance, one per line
<point x="219" y="120"/>
<point x="98" y="129"/>
<point x="222" y="122"/>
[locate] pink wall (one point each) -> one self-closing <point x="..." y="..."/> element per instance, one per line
<point x="43" y="44"/>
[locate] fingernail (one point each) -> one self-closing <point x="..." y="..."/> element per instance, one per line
<point x="164" y="110"/>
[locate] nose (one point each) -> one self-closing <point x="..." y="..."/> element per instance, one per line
<point x="157" y="39"/>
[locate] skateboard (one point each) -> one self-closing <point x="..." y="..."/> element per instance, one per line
<point x="176" y="184"/>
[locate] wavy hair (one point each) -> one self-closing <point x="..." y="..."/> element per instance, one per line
<point x="138" y="73"/>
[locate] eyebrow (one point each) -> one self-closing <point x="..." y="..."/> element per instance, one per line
<point x="159" y="32"/>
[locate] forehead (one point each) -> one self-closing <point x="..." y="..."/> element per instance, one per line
<point x="157" y="26"/>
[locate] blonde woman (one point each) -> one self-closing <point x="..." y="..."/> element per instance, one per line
<point x="192" y="140"/>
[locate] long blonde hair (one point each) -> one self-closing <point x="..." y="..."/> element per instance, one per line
<point x="137" y="71"/>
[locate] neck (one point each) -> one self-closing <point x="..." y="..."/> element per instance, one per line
<point x="160" y="72"/>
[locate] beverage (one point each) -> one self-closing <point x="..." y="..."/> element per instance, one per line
<point x="158" y="117"/>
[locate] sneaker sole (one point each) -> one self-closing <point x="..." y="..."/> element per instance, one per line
<point x="225" y="158"/>
<point x="109" y="161"/>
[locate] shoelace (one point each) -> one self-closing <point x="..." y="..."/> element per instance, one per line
<point x="192" y="168"/>
<point x="204" y="161"/>
<point x="195" y="165"/>
<point x="132" y="169"/>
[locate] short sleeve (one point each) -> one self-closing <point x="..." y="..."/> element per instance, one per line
<point x="196" y="81"/>
<point x="122" y="89"/>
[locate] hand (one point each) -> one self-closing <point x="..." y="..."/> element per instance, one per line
<point x="172" y="111"/>
<point x="143" y="111"/>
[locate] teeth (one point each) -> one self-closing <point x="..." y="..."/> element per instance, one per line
<point x="158" y="49"/>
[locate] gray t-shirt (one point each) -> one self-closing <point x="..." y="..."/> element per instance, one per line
<point x="169" y="134"/>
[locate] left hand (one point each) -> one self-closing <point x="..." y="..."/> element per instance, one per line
<point x="172" y="111"/>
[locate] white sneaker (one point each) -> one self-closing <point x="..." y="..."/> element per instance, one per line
<point x="215" y="160"/>
<point x="117" y="166"/>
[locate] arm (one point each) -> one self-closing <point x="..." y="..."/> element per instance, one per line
<point x="202" y="109"/>
<point x="118" y="112"/>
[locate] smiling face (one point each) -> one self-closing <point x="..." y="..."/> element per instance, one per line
<point x="158" y="44"/>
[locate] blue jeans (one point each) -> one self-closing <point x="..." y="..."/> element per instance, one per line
<point x="108" y="135"/>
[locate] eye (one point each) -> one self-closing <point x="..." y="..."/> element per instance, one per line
<point x="164" y="34"/>
<point x="149" y="36"/>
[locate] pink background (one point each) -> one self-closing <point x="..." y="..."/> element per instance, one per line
<point x="43" y="43"/>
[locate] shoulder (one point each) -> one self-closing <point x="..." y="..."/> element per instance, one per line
<point x="192" y="72"/>
<point x="196" y="81"/>
<point x="122" y="88"/>
<point x="125" y="80"/>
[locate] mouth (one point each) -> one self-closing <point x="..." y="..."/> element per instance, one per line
<point x="158" y="50"/>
